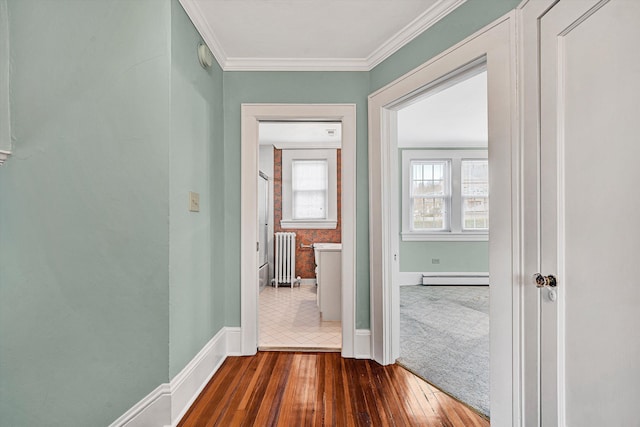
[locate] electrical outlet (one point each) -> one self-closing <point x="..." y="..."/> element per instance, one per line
<point x="194" y="202"/>
<point x="435" y="260"/>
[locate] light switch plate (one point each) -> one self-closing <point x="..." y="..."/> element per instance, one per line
<point x="194" y="201"/>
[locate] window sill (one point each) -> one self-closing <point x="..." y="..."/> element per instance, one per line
<point x="321" y="224"/>
<point x="445" y="236"/>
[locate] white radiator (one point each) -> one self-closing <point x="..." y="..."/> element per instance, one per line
<point x="285" y="259"/>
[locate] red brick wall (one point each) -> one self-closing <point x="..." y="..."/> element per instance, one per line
<point x="305" y="263"/>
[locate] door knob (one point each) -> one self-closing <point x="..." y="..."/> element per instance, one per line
<point x="542" y="281"/>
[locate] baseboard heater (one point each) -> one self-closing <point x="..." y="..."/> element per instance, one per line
<point x="455" y="279"/>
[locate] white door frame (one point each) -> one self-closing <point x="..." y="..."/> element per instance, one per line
<point x="497" y="44"/>
<point x="251" y="115"/>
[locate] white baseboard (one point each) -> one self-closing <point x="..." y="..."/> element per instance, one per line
<point x="188" y="384"/>
<point x="362" y="344"/>
<point x="307" y="281"/>
<point x="448" y="278"/>
<point x="153" y="410"/>
<point x="234" y="341"/>
<point x="167" y="404"/>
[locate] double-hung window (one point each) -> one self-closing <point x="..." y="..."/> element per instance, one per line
<point x="430" y="194"/>
<point x="309" y="188"/>
<point x="445" y="194"/>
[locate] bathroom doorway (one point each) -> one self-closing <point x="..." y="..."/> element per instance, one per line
<point x="352" y="345"/>
<point x="300" y="236"/>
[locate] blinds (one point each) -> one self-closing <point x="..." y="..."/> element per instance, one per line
<point x="310" y="189"/>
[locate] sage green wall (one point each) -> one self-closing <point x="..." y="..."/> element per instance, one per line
<point x="293" y="87"/>
<point x="453" y="256"/>
<point x="84" y="211"/>
<point x="196" y="286"/>
<point x="453" y="28"/>
<point x="5" y="125"/>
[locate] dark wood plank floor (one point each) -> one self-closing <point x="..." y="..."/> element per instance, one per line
<point x="322" y="389"/>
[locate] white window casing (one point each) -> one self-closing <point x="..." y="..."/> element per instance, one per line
<point x="310" y="190"/>
<point x="453" y="229"/>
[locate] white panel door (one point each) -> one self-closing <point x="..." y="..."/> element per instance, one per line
<point x="590" y="213"/>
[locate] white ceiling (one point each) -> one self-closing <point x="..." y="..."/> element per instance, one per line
<point x="300" y="134"/>
<point x="454" y="117"/>
<point x="352" y="35"/>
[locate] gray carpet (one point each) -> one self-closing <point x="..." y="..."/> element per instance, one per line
<point x="444" y="338"/>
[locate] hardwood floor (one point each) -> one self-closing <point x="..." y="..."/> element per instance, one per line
<point x="322" y="389"/>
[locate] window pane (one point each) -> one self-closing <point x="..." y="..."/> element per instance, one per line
<point x="428" y="213"/>
<point x="310" y="189"/>
<point x="475" y="213"/>
<point x="475" y="178"/>
<point x="309" y="175"/>
<point x="429" y="178"/>
<point x="309" y="205"/>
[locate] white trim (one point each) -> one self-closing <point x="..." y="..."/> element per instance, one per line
<point x="320" y="224"/>
<point x="445" y="236"/>
<point x="251" y="115"/>
<point x="187" y="385"/>
<point x="208" y="35"/>
<point x="447" y="278"/>
<point x="4" y="155"/>
<point x="153" y="409"/>
<point x="5" y="116"/>
<point x="412" y="30"/>
<point x="167" y="404"/>
<point x="296" y="64"/>
<point x="497" y="44"/>
<point x="362" y="348"/>
<point x="416" y="27"/>
<point x="330" y="156"/>
<point x="305" y="145"/>
<point x="307" y="282"/>
<point x="453" y="220"/>
<point x="458" y="279"/>
<point x="234" y="341"/>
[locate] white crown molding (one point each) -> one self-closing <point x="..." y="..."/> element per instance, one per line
<point x="416" y="27"/>
<point x="195" y="14"/>
<point x="296" y="64"/>
<point x="4" y="155"/>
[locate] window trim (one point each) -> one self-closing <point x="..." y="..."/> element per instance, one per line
<point x="288" y="156"/>
<point x="455" y="231"/>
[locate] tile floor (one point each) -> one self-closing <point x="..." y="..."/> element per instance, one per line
<point x="290" y="319"/>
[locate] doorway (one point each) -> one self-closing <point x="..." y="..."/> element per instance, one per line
<point x="252" y="116"/>
<point x="493" y="46"/>
<point x="443" y="268"/>
<point x="300" y="236"/>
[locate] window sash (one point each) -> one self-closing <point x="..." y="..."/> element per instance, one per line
<point x="310" y="189"/>
<point x="430" y="181"/>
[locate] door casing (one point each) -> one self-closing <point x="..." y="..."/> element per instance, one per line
<point x="251" y="115"/>
<point x="495" y="44"/>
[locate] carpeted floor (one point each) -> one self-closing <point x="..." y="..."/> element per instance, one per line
<point x="444" y="338"/>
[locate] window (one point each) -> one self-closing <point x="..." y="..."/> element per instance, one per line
<point x="309" y="188"/>
<point x="475" y="194"/>
<point x="445" y="194"/>
<point x="430" y="195"/>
